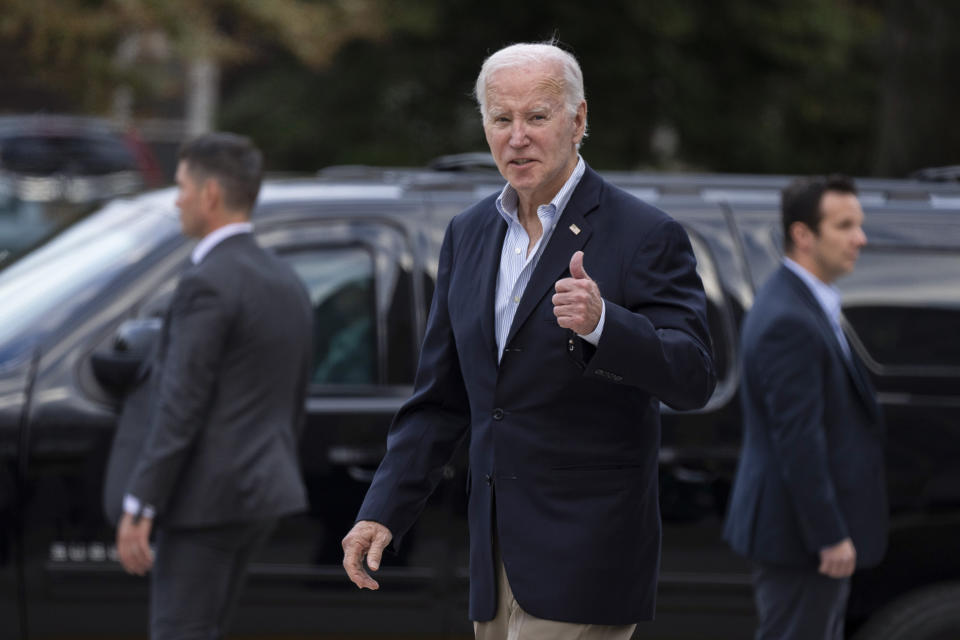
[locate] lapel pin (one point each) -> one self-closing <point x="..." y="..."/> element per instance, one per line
<point x="575" y="229"/>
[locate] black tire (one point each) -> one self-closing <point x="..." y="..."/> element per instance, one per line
<point x="932" y="613"/>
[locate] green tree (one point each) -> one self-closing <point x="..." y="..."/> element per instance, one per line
<point x="737" y="85"/>
<point x="920" y="88"/>
<point x="71" y="46"/>
<point x="787" y="86"/>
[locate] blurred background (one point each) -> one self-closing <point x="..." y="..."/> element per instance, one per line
<point x="867" y="87"/>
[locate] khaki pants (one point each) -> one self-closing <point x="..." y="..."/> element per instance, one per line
<point x="513" y="623"/>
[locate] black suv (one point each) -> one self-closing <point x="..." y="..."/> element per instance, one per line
<point x="366" y="242"/>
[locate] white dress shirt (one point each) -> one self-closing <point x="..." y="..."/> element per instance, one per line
<point x="217" y="236"/>
<point x="517" y="264"/>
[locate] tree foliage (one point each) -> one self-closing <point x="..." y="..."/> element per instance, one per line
<point x="796" y="86"/>
<point x="74" y="44"/>
<point x="736" y="85"/>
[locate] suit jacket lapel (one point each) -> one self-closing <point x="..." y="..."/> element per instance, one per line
<point x="563" y="243"/>
<point x="491" y="236"/>
<point x="164" y="339"/>
<point x="861" y="376"/>
<point x="861" y="383"/>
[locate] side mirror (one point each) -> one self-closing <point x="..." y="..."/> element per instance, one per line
<point x="117" y="369"/>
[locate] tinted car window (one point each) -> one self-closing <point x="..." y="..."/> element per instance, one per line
<point x="397" y="301"/>
<point x="905" y="306"/>
<point x="718" y="317"/>
<point x="909" y="335"/>
<point x="341" y="286"/>
<point x="762" y="241"/>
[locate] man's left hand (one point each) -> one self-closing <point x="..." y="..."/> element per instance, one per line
<point x="839" y="560"/>
<point x="133" y="544"/>
<point x="577" y="302"/>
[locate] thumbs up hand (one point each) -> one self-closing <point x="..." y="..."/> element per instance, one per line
<point x="577" y="303"/>
<point x="576" y="267"/>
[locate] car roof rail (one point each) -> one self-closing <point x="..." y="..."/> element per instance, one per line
<point x="463" y="162"/>
<point x="949" y="173"/>
<point x="351" y="172"/>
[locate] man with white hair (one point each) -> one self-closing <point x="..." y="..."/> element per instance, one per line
<point x="557" y="381"/>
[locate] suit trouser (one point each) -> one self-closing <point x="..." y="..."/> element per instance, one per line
<point x="800" y="604"/>
<point x="513" y="623"/>
<point x="197" y="576"/>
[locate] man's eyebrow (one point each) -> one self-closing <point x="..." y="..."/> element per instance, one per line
<point x="542" y="108"/>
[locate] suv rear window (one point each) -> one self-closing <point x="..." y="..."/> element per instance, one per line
<point x="340" y="282"/>
<point x="905" y="306"/>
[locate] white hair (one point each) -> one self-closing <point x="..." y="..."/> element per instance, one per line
<point x="527" y="53"/>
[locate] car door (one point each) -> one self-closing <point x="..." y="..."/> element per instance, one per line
<point x="902" y="304"/>
<point x="699" y="450"/>
<point x="81" y="285"/>
<point x="369" y="296"/>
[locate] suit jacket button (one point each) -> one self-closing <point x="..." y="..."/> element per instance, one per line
<point x="570" y="345"/>
<point x="498" y="414"/>
<point x="488" y="479"/>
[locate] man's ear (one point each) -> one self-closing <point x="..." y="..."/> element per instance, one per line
<point x="580" y="122"/>
<point x="801" y="235"/>
<point x="210" y="194"/>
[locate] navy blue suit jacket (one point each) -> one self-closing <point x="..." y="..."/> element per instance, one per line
<point x="564" y="435"/>
<point x="811" y="471"/>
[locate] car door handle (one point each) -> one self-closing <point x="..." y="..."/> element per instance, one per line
<point x="343" y="455"/>
<point x="361" y="474"/>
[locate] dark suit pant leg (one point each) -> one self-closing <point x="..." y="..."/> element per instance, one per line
<point x="799" y="604"/>
<point x="197" y="576"/>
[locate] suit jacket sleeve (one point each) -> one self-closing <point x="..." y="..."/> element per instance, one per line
<point x="658" y="339"/>
<point x="788" y="362"/>
<point x="197" y="335"/>
<point x="428" y="428"/>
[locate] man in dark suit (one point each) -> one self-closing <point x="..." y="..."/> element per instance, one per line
<point x="555" y="375"/>
<point x="809" y="499"/>
<point x="220" y="463"/>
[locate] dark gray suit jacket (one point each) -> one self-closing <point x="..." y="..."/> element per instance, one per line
<point x="232" y="371"/>
<point x="811" y="472"/>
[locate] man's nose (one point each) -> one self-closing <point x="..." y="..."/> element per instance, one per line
<point x="861" y="237"/>
<point x="518" y="133"/>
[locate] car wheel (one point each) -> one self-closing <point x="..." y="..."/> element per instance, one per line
<point x="929" y="614"/>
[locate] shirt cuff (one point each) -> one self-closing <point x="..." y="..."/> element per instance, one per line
<point x="131" y="505"/>
<point x="594" y="336"/>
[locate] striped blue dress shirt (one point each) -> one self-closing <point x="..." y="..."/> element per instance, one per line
<point x="516" y="265"/>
